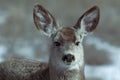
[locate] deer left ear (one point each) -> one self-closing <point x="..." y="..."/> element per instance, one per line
<point x="44" y="20"/>
<point x="89" y="20"/>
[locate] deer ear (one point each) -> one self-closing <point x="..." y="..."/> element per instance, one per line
<point x="43" y="20"/>
<point x="89" y="20"/>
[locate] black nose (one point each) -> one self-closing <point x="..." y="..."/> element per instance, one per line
<point x="68" y="58"/>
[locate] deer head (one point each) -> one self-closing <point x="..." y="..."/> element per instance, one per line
<point x="66" y="50"/>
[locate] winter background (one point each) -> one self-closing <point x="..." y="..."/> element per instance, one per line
<point x="20" y="38"/>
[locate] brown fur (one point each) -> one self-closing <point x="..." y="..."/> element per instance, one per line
<point x="66" y="34"/>
<point x="20" y="69"/>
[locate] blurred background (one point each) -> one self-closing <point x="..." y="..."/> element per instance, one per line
<point x="19" y="37"/>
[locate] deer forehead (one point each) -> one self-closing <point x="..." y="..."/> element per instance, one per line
<point x="66" y="34"/>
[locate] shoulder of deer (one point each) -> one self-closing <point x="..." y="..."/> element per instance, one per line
<point x="23" y="66"/>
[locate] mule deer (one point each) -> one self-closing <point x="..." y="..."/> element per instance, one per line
<point x="66" y="61"/>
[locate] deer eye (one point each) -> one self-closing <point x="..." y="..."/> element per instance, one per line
<point x="57" y="43"/>
<point x="77" y="43"/>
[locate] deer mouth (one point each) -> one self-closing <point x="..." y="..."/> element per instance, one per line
<point x="67" y="63"/>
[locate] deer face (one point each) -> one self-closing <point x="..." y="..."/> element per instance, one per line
<point x="66" y="49"/>
<point x="67" y="46"/>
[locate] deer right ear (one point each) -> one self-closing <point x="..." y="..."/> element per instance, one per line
<point x="44" y="20"/>
<point x="88" y="21"/>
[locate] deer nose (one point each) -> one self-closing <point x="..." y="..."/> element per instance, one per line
<point x="68" y="58"/>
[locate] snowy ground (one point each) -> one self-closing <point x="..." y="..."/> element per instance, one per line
<point x="106" y="72"/>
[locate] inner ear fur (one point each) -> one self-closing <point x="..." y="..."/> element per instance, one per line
<point x="95" y="20"/>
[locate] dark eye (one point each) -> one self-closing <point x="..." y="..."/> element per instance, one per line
<point x="57" y="43"/>
<point x="77" y="43"/>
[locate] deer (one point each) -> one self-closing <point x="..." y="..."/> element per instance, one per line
<point x="66" y="59"/>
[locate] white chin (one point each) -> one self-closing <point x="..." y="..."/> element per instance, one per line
<point x="68" y="63"/>
<point x="72" y="65"/>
